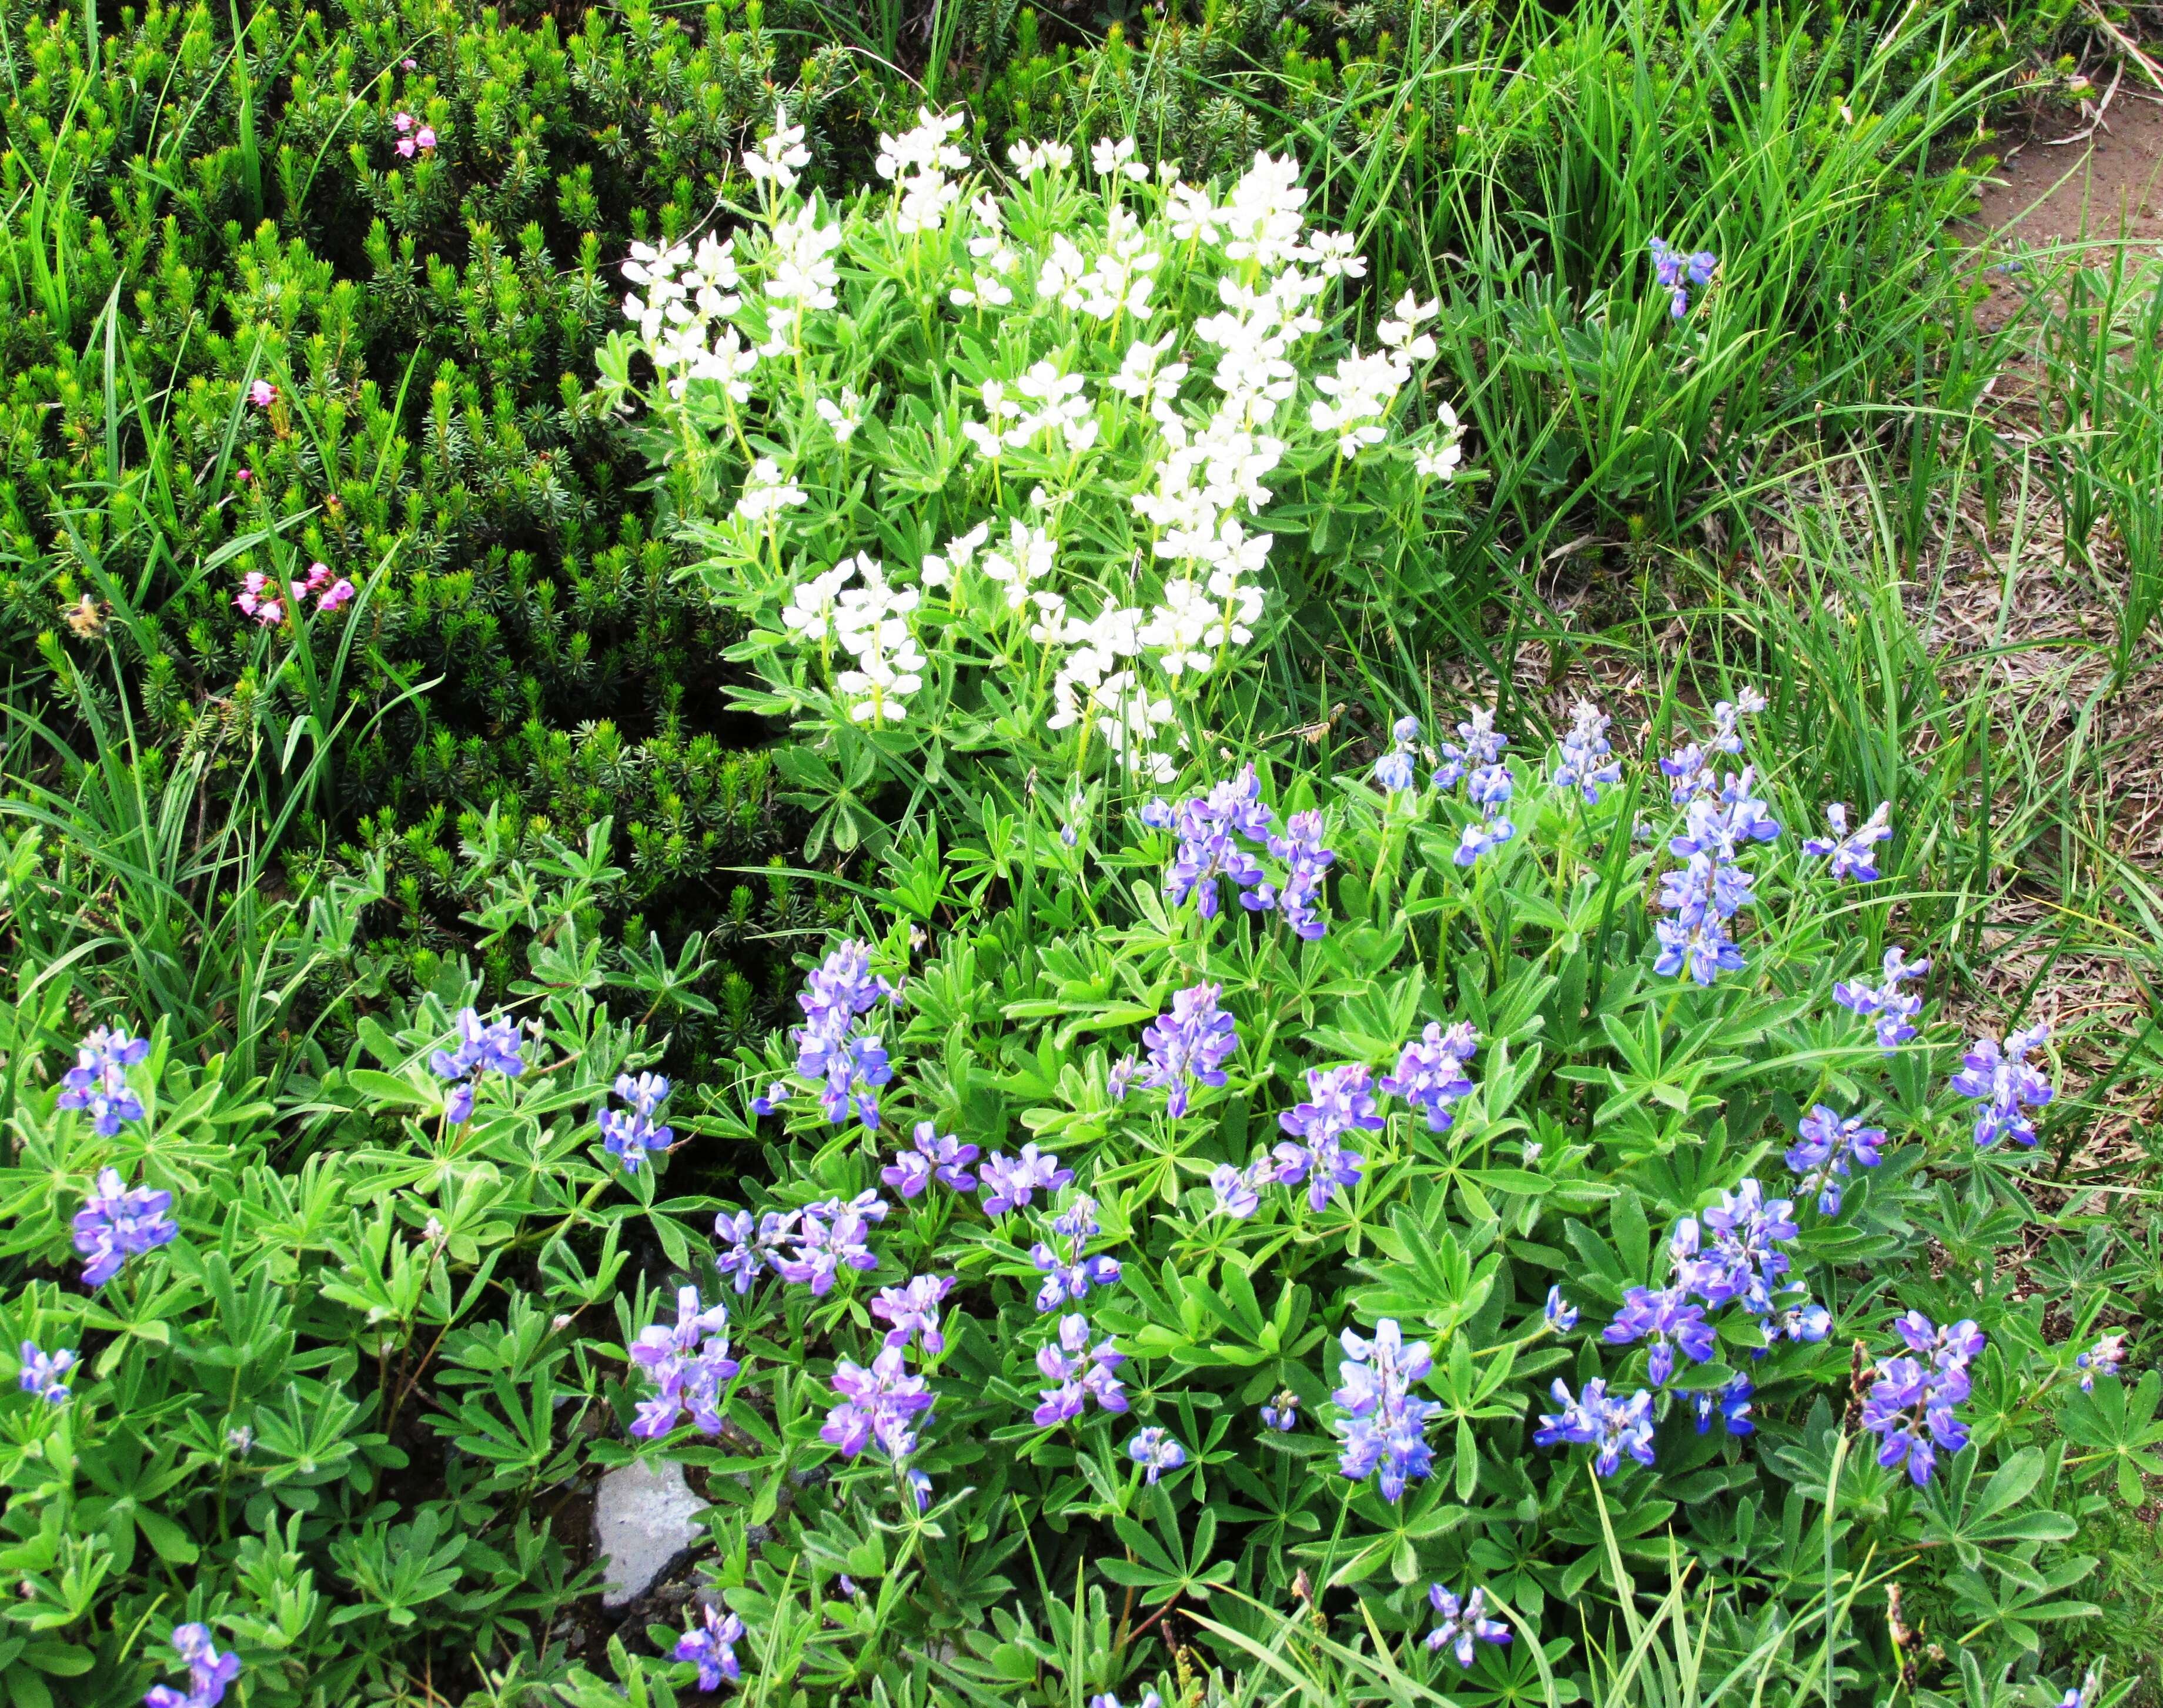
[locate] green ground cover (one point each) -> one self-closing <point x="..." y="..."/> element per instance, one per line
<point x="1146" y="723"/>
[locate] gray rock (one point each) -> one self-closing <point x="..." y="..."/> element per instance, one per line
<point x="642" y="1516"/>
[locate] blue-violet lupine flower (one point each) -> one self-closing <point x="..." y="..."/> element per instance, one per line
<point x="1489" y="787"/>
<point x="1677" y="272"/>
<point x="829" y="1236"/>
<point x="690" y="1363"/>
<point x="1828" y="1145"/>
<point x="1663" y="1316"/>
<point x="1339" y="1100"/>
<point x="1729" y="1404"/>
<point x="645" y="1093"/>
<point x="1910" y="1402"/>
<point x="849" y="1068"/>
<point x="1081" y="1373"/>
<point x="913" y="1311"/>
<point x="1067" y="1279"/>
<point x="118" y="1222"/>
<point x="1011" y="1181"/>
<point x="879" y="1406"/>
<point x="934" y="1155"/>
<point x="1477" y="743"/>
<point x="1999" y="1076"/>
<point x="1850" y="849"/>
<point x="1384" y="1427"/>
<point x="1393" y="771"/>
<point x="1743" y="1259"/>
<point x="493" y="1047"/>
<point x="1482" y="838"/>
<point x="1587" y="766"/>
<point x="1561" y="1315"/>
<point x="2102" y="1359"/>
<point x="628" y="1134"/>
<point x="1430" y="1073"/>
<point x="1888" y="1005"/>
<point x="1613" y="1427"/>
<point x="1281" y="1414"/>
<point x="1710" y="889"/>
<point x="1209" y="828"/>
<point x="46" y="1374"/>
<point x="711" y="1646"/>
<point x="1187" y="1046"/>
<point x="97" y="1084"/>
<point x="1301" y="849"/>
<point x="1238" y="1194"/>
<point x="209" y="1672"/>
<point x="745" y="1253"/>
<point x="1461" y="1623"/>
<point x="1150" y="1699"/>
<point x="1121" y="1075"/>
<point x="1155" y="1452"/>
<point x="1806" y="1321"/>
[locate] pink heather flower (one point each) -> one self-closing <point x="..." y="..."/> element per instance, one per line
<point x="259" y="598"/>
<point x="412" y="65"/>
<point x="245" y="476"/>
<point x="401" y="123"/>
<point x="405" y="147"/>
<point x="336" y="594"/>
<point x="425" y="138"/>
<point x="263" y="394"/>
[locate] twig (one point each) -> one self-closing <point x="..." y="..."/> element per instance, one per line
<point x="2126" y="44"/>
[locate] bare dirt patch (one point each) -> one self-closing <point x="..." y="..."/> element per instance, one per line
<point x="2094" y="176"/>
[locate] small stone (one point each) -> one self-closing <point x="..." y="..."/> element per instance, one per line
<point x="642" y="1517"/>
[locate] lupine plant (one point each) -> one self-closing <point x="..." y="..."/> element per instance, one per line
<point x="1388" y="1233"/>
<point x="1019" y="458"/>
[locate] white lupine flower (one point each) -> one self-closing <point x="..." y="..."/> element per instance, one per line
<point x="1439" y="460"/>
<point x="1402" y="333"/>
<point x="1184" y="629"/>
<point x="1263" y="218"/>
<point x="714" y="280"/>
<point x="940" y="571"/>
<point x="1191" y="217"/>
<point x="767" y="492"/>
<point x="810" y="609"/>
<point x="1336" y="254"/>
<point x="804" y="272"/>
<point x="844" y="417"/>
<point x="1363" y="388"/>
<point x="926" y="200"/>
<point x="926" y="149"/>
<point x="1109" y="157"/>
<point x="1051" y="623"/>
<point x="1204" y="591"/>
<point x="987" y="288"/>
<point x="1024" y="558"/>
<point x="879" y="687"/>
<point x="1119" y="281"/>
<point x="1060" y="408"/>
<point x="780" y="156"/>
<point x="1060" y="269"/>
<point x="1029" y="159"/>
<point x="872" y="618"/>
<point x="656" y="269"/>
<point x="1140" y="378"/>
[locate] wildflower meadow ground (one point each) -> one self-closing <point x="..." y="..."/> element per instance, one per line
<point x="1195" y="896"/>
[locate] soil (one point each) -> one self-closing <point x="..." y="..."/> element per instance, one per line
<point x="2082" y="178"/>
